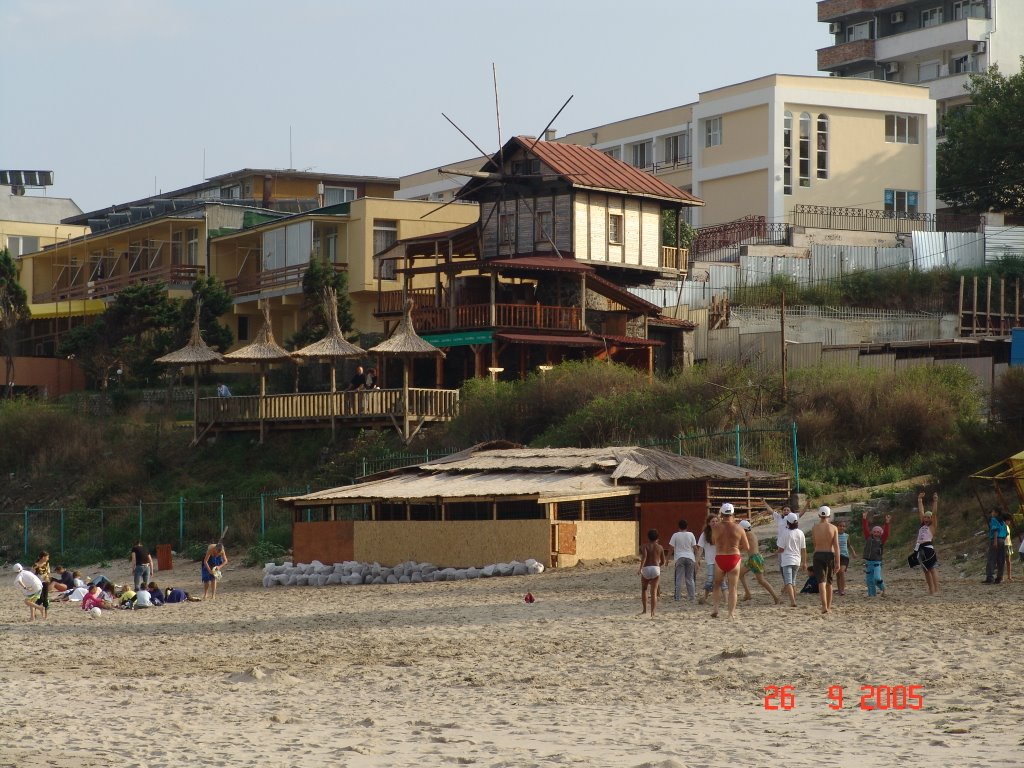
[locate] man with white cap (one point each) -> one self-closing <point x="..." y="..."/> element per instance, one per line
<point x="32" y="586"/>
<point x="826" y="555"/>
<point x="730" y="541"/>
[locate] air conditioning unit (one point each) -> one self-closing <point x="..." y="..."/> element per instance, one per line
<point x="979" y="47"/>
<point x="835" y="28"/>
<point x="898" y="17"/>
<point x="892" y="68"/>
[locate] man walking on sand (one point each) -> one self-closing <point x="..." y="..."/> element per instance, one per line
<point x="730" y="541"/>
<point x="652" y="557"/>
<point x="683" y="543"/>
<point x="826" y="555"/>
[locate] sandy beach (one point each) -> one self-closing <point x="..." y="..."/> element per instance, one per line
<point x="467" y="673"/>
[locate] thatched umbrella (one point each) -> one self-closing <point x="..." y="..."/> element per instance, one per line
<point x="262" y="351"/>
<point x="406" y="344"/>
<point x="331" y="347"/>
<point x="194" y="353"/>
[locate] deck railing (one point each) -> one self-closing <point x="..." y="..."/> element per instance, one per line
<point x="172" y="275"/>
<point x="270" y="279"/>
<point x="425" y="404"/>
<point x="505" y="316"/>
<point x="892" y="222"/>
<point x="674" y="258"/>
<point x="393" y="302"/>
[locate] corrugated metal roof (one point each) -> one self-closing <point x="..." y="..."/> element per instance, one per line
<point x="555" y="341"/>
<point x="445" y="485"/>
<point x="589" y="168"/>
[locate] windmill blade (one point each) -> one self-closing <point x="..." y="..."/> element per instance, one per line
<point x="466" y="135"/>
<point x="456" y="198"/>
<point x="541" y="134"/>
<point x="497" y="113"/>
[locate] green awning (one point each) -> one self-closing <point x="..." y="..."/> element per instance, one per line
<point x="459" y="338"/>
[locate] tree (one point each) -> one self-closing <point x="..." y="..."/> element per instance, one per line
<point x="216" y="302"/>
<point x="13" y="313"/>
<point x="137" y="327"/>
<point x="668" y="230"/>
<point x="318" y="276"/>
<point x="981" y="162"/>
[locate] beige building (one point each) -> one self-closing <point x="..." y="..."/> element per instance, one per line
<point x="763" y="146"/>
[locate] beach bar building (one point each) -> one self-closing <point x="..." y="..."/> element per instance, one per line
<point x="497" y="502"/>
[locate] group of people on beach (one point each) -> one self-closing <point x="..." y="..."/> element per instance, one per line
<point x="730" y="551"/>
<point x="100" y="592"/>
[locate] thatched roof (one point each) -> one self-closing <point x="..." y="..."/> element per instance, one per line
<point x="263" y="349"/>
<point x="405" y="340"/>
<point x="195" y="352"/>
<point x="334" y="343"/>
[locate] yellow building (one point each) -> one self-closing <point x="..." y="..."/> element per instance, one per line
<point x="267" y="260"/>
<point x="761" y="147"/>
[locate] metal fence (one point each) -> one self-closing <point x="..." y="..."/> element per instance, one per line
<point x="872" y="220"/>
<point x="85" y="533"/>
<point x="400" y="459"/>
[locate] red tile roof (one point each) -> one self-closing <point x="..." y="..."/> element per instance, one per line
<point x="588" y="168"/>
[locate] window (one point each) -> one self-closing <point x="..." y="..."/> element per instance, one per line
<point x="822" y="146"/>
<point x="615" y="228"/>
<point x="384" y="268"/>
<point x="641" y="154"/>
<point x="385" y="234"/>
<point x="526" y="167"/>
<point x="863" y="31"/>
<point x="901" y="201"/>
<point x="335" y="195"/>
<point x="543" y="233"/>
<point x="929" y="70"/>
<point x="677" y="148"/>
<point x="962" y="64"/>
<point x="19" y="245"/>
<point x="713" y="131"/>
<point x="901" y="129"/>
<point x="243" y="328"/>
<point x="805" y="149"/>
<point x="192" y="255"/>
<point x="969" y="9"/>
<point x="177" y="247"/>
<point x="615" y="153"/>
<point x="232" y="192"/>
<point x="931" y="17"/>
<point x="787" y="155"/>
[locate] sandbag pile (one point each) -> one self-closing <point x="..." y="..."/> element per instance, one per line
<point x="352" y="573"/>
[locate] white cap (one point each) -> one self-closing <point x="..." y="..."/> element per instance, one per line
<point x="792" y="517"/>
<point x="727" y="509"/>
<point x="745" y="525"/>
<point x="825" y="511"/>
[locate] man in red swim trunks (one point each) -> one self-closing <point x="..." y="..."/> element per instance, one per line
<point x="730" y="541"/>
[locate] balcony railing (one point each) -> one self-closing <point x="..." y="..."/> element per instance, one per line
<point x="894" y="222"/>
<point x="846" y="53"/>
<point x="469" y="316"/>
<point x="175" y="275"/>
<point x="393" y="302"/>
<point x="750" y="230"/>
<point x="832" y="10"/>
<point x="270" y="280"/>
<point x="674" y="258"/>
<point x="369" y="405"/>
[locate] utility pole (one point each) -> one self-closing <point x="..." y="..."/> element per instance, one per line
<point x="785" y="362"/>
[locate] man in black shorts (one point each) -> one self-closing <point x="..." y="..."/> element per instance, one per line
<point x="826" y="555"/>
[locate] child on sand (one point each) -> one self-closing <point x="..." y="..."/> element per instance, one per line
<point x="754" y="564"/>
<point x="32" y="587"/>
<point x="652" y="558"/>
<point x="844" y="556"/>
<point x="792" y="555"/>
<point x="925" y="547"/>
<point x="874" y="544"/>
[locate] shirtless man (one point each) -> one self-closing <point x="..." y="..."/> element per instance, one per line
<point x="730" y="540"/>
<point x="826" y="555"/>
<point x="652" y="557"/>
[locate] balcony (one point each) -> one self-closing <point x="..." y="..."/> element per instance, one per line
<point x="270" y="280"/>
<point x="173" y="276"/>
<point x="845" y="54"/>
<point x="674" y="258"/>
<point x="469" y="316"/>
<point x="834" y="10"/>
<point x="919" y="42"/>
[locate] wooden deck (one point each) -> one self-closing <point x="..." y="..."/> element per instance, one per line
<point x="314" y="410"/>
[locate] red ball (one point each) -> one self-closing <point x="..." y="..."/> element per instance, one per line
<point x="529" y="597"/>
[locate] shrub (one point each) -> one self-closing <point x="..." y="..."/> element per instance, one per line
<point x="263" y="551"/>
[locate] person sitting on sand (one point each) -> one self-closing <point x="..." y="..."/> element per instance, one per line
<point x="826" y="555"/>
<point x="94" y="599"/>
<point x="874" y="544"/>
<point x="754" y="564"/>
<point x="156" y="595"/>
<point x="730" y="541"/>
<point x="925" y="546"/>
<point x="792" y="555"/>
<point x="63" y="580"/>
<point x="652" y="558"/>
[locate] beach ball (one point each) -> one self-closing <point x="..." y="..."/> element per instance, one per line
<point x="95" y="611"/>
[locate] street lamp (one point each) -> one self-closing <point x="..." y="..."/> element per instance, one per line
<point x="495" y="372"/>
<point x="544" y="368"/>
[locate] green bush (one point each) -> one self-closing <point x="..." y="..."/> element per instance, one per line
<point x="263" y="551"/>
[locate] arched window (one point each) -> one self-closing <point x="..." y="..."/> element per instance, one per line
<point x="787" y="155"/>
<point x="822" y="146"/>
<point x="805" y="149"/>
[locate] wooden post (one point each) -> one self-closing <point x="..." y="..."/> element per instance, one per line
<point x="494" y="297"/>
<point x="405" y="398"/>
<point x="960" y="316"/>
<point x="1002" y="305"/>
<point x="583" y="301"/>
<point x="974" y="313"/>
<point x="439" y="372"/>
<point x="785" y="359"/>
<point x="988" y="304"/>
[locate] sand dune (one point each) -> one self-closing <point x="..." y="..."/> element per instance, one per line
<point x="467" y="673"/>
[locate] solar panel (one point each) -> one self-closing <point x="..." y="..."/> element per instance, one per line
<point x="26" y="178"/>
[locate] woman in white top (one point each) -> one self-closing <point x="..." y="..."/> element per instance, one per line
<point x="792" y="555"/>
<point x="925" y="546"/>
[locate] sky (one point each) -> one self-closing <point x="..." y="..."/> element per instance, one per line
<point x="123" y="99"/>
